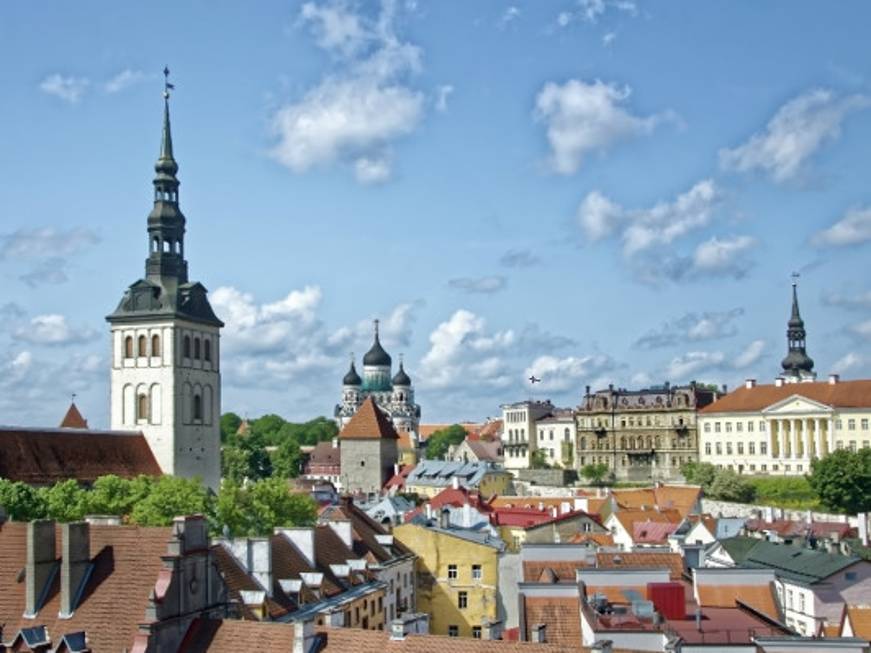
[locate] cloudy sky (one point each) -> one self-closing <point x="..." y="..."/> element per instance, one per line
<point x="592" y="191"/>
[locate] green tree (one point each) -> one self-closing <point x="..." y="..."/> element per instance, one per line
<point x="230" y="423"/>
<point x="538" y="460"/>
<point x="697" y="473"/>
<point x="842" y="480"/>
<point x="729" y="486"/>
<point x="596" y="473"/>
<point x="438" y="442"/>
<point x="65" y="501"/>
<point x="112" y="495"/>
<point x="170" y="497"/>
<point x="21" y="501"/>
<point x="286" y="461"/>
<point x="234" y="463"/>
<point x="267" y="428"/>
<point x="272" y="504"/>
<point x="231" y="509"/>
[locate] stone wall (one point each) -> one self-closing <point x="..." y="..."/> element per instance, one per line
<point x="560" y="477"/>
<point x="729" y="509"/>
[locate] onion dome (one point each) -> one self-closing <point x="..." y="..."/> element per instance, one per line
<point x="352" y="378"/>
<point x="797" y="360"/>
<point x="376" y="356"/>
<point x="401" y="378"/>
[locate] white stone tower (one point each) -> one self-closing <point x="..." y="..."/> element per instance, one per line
<point x="166" y="373"/>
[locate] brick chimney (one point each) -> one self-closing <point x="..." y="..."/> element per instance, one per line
<point x="41" y="564"/>
<point x="75" y="565"/>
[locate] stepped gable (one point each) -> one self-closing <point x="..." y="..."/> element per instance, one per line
<point x="369" y="423"/>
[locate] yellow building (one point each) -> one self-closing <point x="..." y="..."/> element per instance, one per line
<point x="457" y="577"/>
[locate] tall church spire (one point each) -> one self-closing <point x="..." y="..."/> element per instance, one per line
<point x="797" y="366"/>
<point x="166" y="223"/>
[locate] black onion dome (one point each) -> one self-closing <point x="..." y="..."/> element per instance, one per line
<point x="401" y="378"/>
<point x="376" y="356"/>
<point x="352" y="378"/>
<point x="797" y="360"/>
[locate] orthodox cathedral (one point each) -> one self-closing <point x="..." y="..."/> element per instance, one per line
<point x="393" y="394"/>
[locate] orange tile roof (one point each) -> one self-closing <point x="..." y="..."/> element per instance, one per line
<point x="531" y="503"/>
<point x="680" y="497"/>
<point x="642" y="560"/>
<point x="860" y="620"/>
<point x="758" y="597"/>
<point x="43" y="457"/>
<point x="563" y="570"/>
<point x="615" y="593"/>
<point x="369" y="423"/>
<point x="844" y="394"/>
<point x="600" y="539"/>
<point x="73" y="419"/>
<point x="127" y="562"/>
<point x="561" y="615"/>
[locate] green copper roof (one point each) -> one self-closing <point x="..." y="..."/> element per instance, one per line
<point x="794" y="562"/>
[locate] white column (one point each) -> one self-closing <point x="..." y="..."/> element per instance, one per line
<point x="781" y="433"/>
<point x="831" y="426"/>
<point x="806" y="439"/>
<point x="796" y="437"/>
<point x="818" y="437"/>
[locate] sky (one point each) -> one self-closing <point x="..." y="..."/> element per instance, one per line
<point x="588" y="191"/>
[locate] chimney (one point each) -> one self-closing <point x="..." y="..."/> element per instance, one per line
<point x="834" y="379"/>
<point x="303" y="539"/>
<point x="602" y="646"/>
<point x="491" y="630"/>
<point x="588" y="390"/>
<point x="750" y="383"/>
<point x="725" y="389"/>
<point x="467" y="515"/>
<point x="778" y="382"/>
<point x="335" y="443"/>
<point x="539" y="633"/>
<point x="445" y="518"/>
<point x="75" y="565"/>
<point x="553" y="512"/>
<point x="41" y="564"/>
<point x="304" y="636"/>
<point x="699" y="619"/>
<point x="565" y="507"/>
<point x="455" y="482"/>
<point x="863" y="527"/>
<point x="342" y="528"/>
<point x="397" y="629"/>
<point x="427" y="509"/>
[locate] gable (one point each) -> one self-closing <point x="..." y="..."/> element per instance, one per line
<point x="796" y="405"/>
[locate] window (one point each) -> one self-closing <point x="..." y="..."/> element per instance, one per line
<point x="142" y="347"/>
<point x="716" y="427"/>
<point x="864" y="423"/>
<point x="839" y="424"/>
<point x="453" y="631"/>
<point x="142" y="407"/>
<point x="851" y="424"/>
<point x="186" y="347"/>
<point x="476" y="572"/>
<point x="452" y="572"/>
<point x="751" y="448"/>
<point x="207" y="350"/>
<point x="197" y="348"/>
<point x="707" y="448"/>
<point x="728" y="427"/>
<point x="198" y="407"/>
<point x="763" y="448"/>
<point x="850" y="575"/>
<point x="567" y="433"/>
<point x="728" y="448"/>
<point x="763" y="467"/>
<point x="740" y="448"/>
<point x="789" y="598"/>
<point x="739" y="426"/>
<point x="762" y="426"/>
<point x="462" y="600"/>
<point x="719" y="446"/>
<point x="476" y="632"/>
<point x="155" y="345"/>
<point x="707" y="427"/>
<point x="750" y="427"/>
<point x="128" y="347"/>
<point x="853" y="446"/>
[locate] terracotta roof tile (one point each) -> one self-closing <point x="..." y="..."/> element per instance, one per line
<point x="628" y="518"/>
<point x="758" y="597"/>
<point x="844" y="394"/>
<point x="642" y="560"/>
<point x="73" y="419"/>
<point x="369" y="423"/>
<point x="617" y="594"/>
<point x="678" y="497"/>
<point x="599" y="539"/>
<point x="43" y="457"/>
<point x="860" y="620"/>
<point x="561" y="615"/>
<point x="563" y="571"/>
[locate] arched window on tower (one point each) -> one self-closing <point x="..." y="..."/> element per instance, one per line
<point x="198" y="407"/>
<point x="142" y="348"/>
<point x="155" y="244"/>
<point x="142" y="408"/>
<point x="186" y="347"/>
<point x="128" y="347"/>
<point x="167" y="247"/>
<point x="197" y="348"/>
<point x="207" y="350"/>
<point x="155" y="345"/>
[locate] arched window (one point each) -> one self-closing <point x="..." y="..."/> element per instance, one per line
<point x="207" y="350"/>
<point x="186" y="347"/>
<point x="167" y="246"/>
<point x="155" y="244"/>
<point x="128" y="347"/>
<point x="155" y="345"/>
<point x="198" y="407"/>
<point x="142" y="348"/>
<point x="197" y="348"/>
<point x="142" y="407"/>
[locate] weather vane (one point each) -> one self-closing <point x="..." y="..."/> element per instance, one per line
<point x="167" y="87"/>
<point x="795" y="276"/>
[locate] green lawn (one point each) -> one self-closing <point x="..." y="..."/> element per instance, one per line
<point x="785" y="492"/>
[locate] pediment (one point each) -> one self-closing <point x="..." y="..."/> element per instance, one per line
<point x="796" y="405"/>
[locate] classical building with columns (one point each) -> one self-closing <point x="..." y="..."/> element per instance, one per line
<point x="780" y="428"/>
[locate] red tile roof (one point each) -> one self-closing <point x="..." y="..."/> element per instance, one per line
<point x="560" y="615"/>
<point x="45" y="456"/>
<point x="844" y="394"/>
<point x="369" y="423"/>
<point x="758" y="597"/>
<point x="652" y="533"/>
<point x="557" y="571"/>
<point x="73" y="419"/>
<point x="642" y="560"/>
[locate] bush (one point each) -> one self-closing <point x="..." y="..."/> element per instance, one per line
<point x="697" y="473"/>
<point x="785" y="492"/>
<point x="728" y="486"/>
<point x="842" y="480"/>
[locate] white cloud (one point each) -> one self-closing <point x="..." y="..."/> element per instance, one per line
<point x="443" y="93"/>
<point x="510" y="14"/>
<point x="52" y="330"/>
<point x="751" y="354"/>
<point x="798" y="129"/>
<point x="569" y="373"/>
<point x="69" y="89"/>
<point x="847" y="362"/>
<point x="857" y="301"/>
<point x="519" y="258"/>
<point x="608" y="38"/>
<point x="352" y="117"/>
<point x="660" y="224"/>
<point x="724" y="256"/>
<point x="681" y="368"/>
<point x="862" y="329"/>
<point x="489" y="284"/>
<point x="45" y="242"/>
<point x="692" y="327"/>
<point x="853" y="229"/>
<point x="590" y="11"/>
<point x="125" y="79"/>
<point x="583" y="117"/>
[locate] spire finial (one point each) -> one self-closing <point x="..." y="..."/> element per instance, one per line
<point x="377" y="321"/>
<point x="795" y="276"/>
<point x="73" y="398"/>
<point x="166" y="156"/>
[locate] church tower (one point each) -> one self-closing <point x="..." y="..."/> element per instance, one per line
<point x="797" y="366"/>
<point x="166" y="373"/>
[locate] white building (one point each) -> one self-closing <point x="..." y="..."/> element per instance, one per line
<point x="519" y="431"/>
<point x="165" y="376"/>
<point x="555" y="436"/>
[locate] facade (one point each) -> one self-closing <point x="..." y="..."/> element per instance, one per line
<point x="641" y="434"/>
<point x="368" y="450"/>
<point x="165" y="376"/>
<point x="780" y="428"/>
<point x="519" y="432"/>
<point x="393" y="394"/>
<point x="556" y="436"/>
<point x="457" y="576"/>
<point x="476" y="451"/>
<point x="325" y="463"/>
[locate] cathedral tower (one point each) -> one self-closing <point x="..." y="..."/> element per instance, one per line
<point x="797" y="366"/>
<point x="166" y="375"/>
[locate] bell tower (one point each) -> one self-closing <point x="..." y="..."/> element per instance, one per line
<point x="166" y="372"/>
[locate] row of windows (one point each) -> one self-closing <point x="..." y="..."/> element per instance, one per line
<point x="567" y="434"/>
<point x="519" y="435"/>
<point x="864" y="423"/>
<point x="751" y="448"/>
<point x="516" y="416"/>
<point x="143" y="408"/>
<point x="453" y="572"/>
<point x="195" y="348"/>
<point x="633" y="421"/>
<point x="626" y="461"/>
<point x="650" y="442"/>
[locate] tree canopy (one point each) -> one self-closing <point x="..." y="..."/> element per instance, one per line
<point x="842" y="480"/>
<point x="595" y="473"/>
<point x="438" y="442"/>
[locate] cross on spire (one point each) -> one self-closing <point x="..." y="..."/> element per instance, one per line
<point x="167" y="87"/>
<point x="795" y="276"/>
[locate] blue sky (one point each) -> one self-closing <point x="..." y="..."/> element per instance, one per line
<point x="594" y="192"/>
